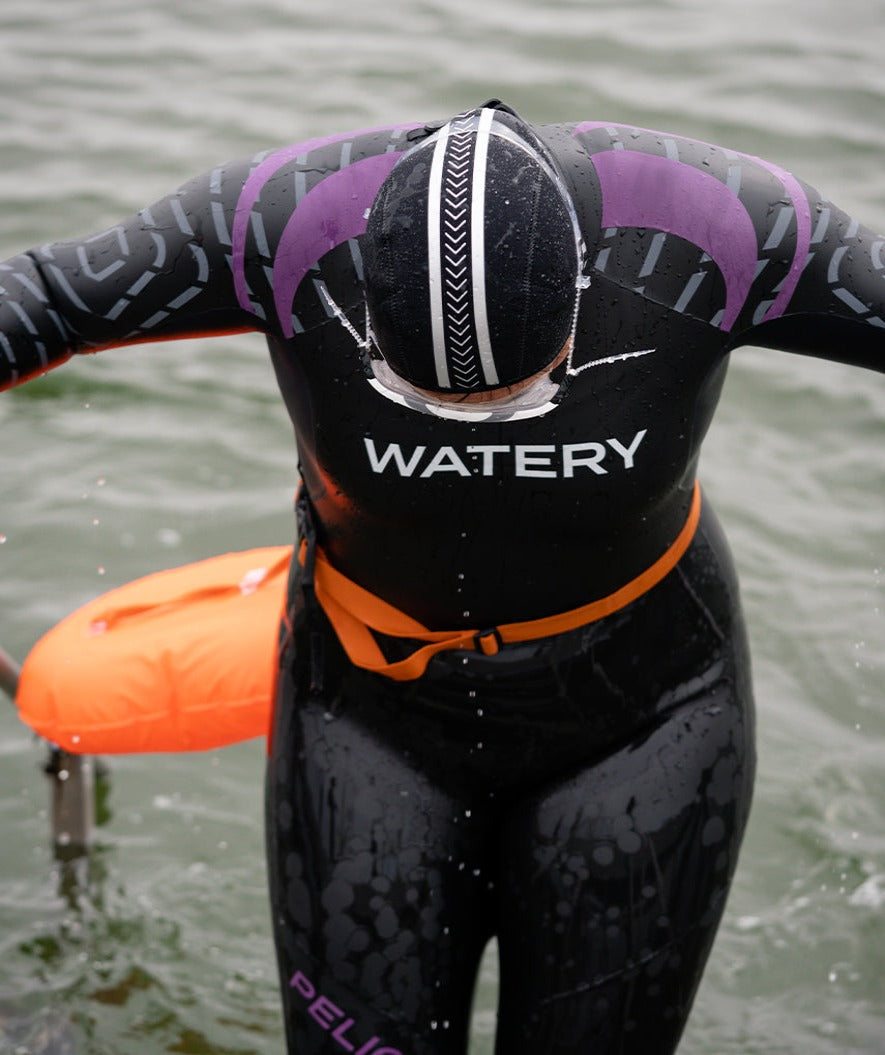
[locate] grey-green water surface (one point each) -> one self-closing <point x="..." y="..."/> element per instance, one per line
<point x="143" y="458"/>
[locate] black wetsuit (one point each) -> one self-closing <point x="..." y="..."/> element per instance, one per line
<point x="581" y="797"/>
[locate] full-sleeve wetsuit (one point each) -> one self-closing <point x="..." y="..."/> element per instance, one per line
<point x="581" y="796"/>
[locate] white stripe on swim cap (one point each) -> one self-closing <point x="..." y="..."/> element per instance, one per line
<point x="477" y="248"/>
<point x="434" y="258"/>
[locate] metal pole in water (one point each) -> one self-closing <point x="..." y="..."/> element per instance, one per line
<point x="72" y="802"/>
<point x="9" y="672"/>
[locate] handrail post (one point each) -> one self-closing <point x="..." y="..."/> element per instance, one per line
<point x="72" y="810"/>
<point x="72" y="803"/>
<point x="9" y="672"/>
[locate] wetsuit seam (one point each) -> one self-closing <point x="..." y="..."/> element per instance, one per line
<point x="638" y="964"/>
<point x="701" y="606"/>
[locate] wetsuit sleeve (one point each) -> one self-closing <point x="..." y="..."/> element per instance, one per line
<point x="161" y="274"/>
<point x="837" y="310"/>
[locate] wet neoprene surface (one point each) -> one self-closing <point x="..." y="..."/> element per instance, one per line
<point x="693" y="251"/>
<point x="582" y="798"/>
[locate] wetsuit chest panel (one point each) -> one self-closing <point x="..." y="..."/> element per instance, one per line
<point x="567" y="506"/>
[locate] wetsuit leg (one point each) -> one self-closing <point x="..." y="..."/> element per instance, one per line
<point x="378" y="925"/>
<point x="615" y="879"/>
<point x="613" y="889"/>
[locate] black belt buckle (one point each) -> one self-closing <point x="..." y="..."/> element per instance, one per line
<point x="488" y="642"/>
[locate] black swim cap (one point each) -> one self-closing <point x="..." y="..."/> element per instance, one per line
<point x="471" y="257"/>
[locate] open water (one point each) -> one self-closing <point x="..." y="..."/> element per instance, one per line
<point x="149" y="457"/>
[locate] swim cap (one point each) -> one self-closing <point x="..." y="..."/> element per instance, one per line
<point x="471" y="255"/>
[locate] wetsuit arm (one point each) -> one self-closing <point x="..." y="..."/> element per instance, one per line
<point x="837" y="311"/>
<point x="161" y="274"/>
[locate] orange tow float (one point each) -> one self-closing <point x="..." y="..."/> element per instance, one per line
<point x="181" y="660"/>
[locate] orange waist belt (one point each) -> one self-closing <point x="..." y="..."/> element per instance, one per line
<point x="354" y="613"/>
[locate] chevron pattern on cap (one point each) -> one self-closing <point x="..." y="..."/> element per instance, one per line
<point x="455" y="259"/>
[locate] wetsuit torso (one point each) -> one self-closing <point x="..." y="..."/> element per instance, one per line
<point x="585" y="798"/>
<point x="694" y="251"/>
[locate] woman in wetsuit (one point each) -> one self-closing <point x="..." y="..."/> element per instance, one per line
<point x="514" y="694"/>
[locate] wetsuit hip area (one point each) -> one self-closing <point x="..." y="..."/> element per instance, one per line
<point x="537" y="708"/>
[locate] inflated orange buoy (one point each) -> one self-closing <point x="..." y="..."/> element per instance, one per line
<point x="182" y="660"/>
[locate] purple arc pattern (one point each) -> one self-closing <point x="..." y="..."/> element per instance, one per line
<point x="334" y="211"/>
<point x="646" y="190"/>
<point x="252" y="191"/>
